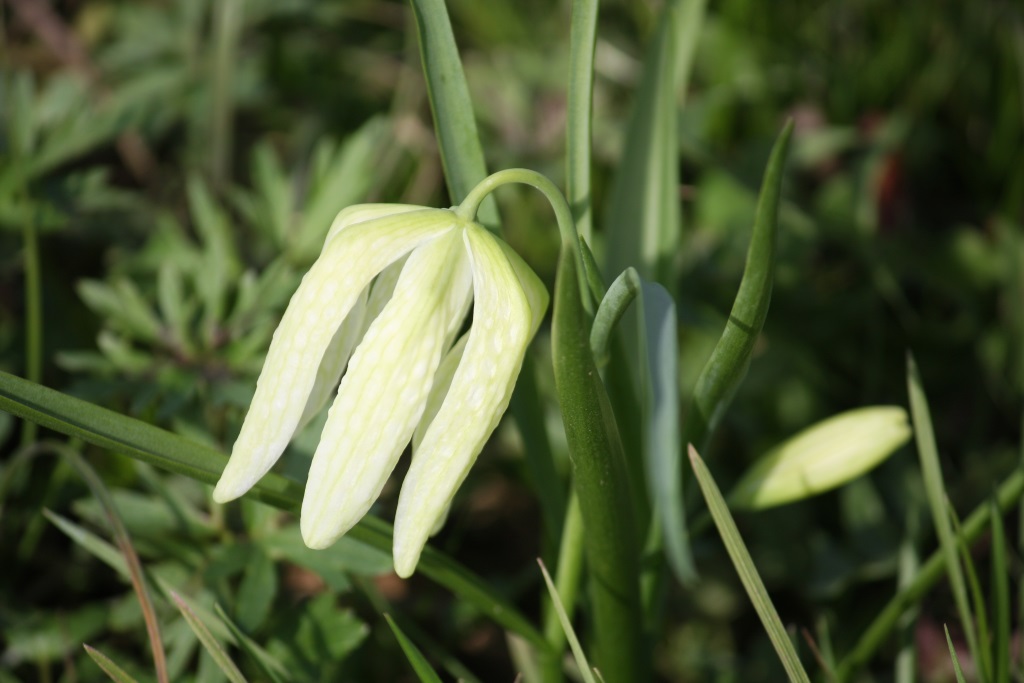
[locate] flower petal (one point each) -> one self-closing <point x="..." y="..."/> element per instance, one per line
<point x="360" y="213"/>
<point x="326" y="295"/>
<point x="478" y="396"/>
<point x="383" y="394"/>
<point x="536" y="293"/>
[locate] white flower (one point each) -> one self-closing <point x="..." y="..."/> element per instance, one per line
<point x="407" y="376"/>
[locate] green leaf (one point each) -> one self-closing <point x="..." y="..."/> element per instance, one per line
<point x="213" y="647"/>
<point x="461" y="153"/>
<point x="952" y="654"/>
<point x="579" y="112"/>
<point x="419" y="663"/>
<point x="257" y="590"/>
<point x="936" y="492"/>
<point x="748" y="572"/>
<point x="116" y="673"/>
<point x="168" y="451"/>
<point x="727" y="366"/>
<point x="1000" y="597"/>
<point x="643" y="220"/>
<point x="268" y="664"/>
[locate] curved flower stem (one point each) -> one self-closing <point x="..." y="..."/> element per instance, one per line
<point x="563" y="215"/>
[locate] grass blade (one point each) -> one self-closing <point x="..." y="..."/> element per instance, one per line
<point x="419" y="663"/>
<point x="220" y="657"/>
<point x="748" y="573"/>
<point x="116" y="673"/>
<point x="271" y="668"/>
<point x="141" y="441"/>
<point x="936" y="492"/>
<point x="952" y="653"/>
<point x="570" y="634"/>
<point x="461" y="153"/>
<point x="1000" y="598"/>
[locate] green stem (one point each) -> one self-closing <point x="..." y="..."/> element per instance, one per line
<point x="582" y="39"/>
<point x="33" y="318"/>
<point x="227" y="21"/>
<point x="467" y="210"/>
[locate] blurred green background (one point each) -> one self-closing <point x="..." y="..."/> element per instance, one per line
<point x="179" y="164"/>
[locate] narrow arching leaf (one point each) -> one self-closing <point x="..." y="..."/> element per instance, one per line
<point x="142" y="441"/>
<point x="457" y="138"/>
<point x="935" y="490"/>
<point x="116" y="673"/>
<point x="748" y="572"/>
<point x="729" y="360"/>
<point x="570" y="633"/>
<point x="419" y="663"/>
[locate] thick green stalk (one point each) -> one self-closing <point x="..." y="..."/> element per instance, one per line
<point x="582" y="39"/>
<point x="599" y="475"/>
<point x="461" y="154"/>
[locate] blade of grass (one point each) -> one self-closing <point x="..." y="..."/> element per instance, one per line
<point x="461" y="153"/>
<point x="1000" y="598"/>
<point x="116" y="673"/>
<point x="908" y="565"/>
<point x="271" y="668"/>
<point x="168" y="451"/>
<point x="977" y="598"/>
<point x="748" y="572"/>
<point x="121" y="538"/>
<point x="217" y="653"/>
<point x="419" y="663"/>
<point x="952" y="653"/>
<point x="566" y="623"/>
<point x="1008" y="495"/>
<point x="936" y="493"/>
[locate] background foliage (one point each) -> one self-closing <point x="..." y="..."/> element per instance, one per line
<point x="178" y="164"/>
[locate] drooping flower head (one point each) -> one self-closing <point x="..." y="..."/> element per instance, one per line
<point x="387" y="298"/>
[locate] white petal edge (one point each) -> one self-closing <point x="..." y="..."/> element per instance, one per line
<point x="316" y="310"/>
<point x="360" y="213"/>
<point x="383" y="394"/>
<point x="479" y="395"/>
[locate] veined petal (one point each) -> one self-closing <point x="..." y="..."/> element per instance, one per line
<point x="536" y="293"/>
<point x="335" y="359"/>
<point x="383" y="394"/>
<point x="360" y="213"/>
<point x="439" y="390"/>
<point x="326" y="295"/>
<point x="478" y="396"/>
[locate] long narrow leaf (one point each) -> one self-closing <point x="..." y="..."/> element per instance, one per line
<point x="271" y="668"/>
<point x="1000" y="598"/>
<point x="582" y="40"/>
<point x="419" y="663"/>
<point x="171" y="452"/>
<point x="566" y="623"/>
<point x="461" y="153"/>
<point x="729" y="360"/>
<point x="220" y="657"/>
<point x="936" y="492"/>
<point x="748" y="572"/>
<point x="643" y="222"/>
<point x="116" y="673"/>
<point x="952" y="653"/>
